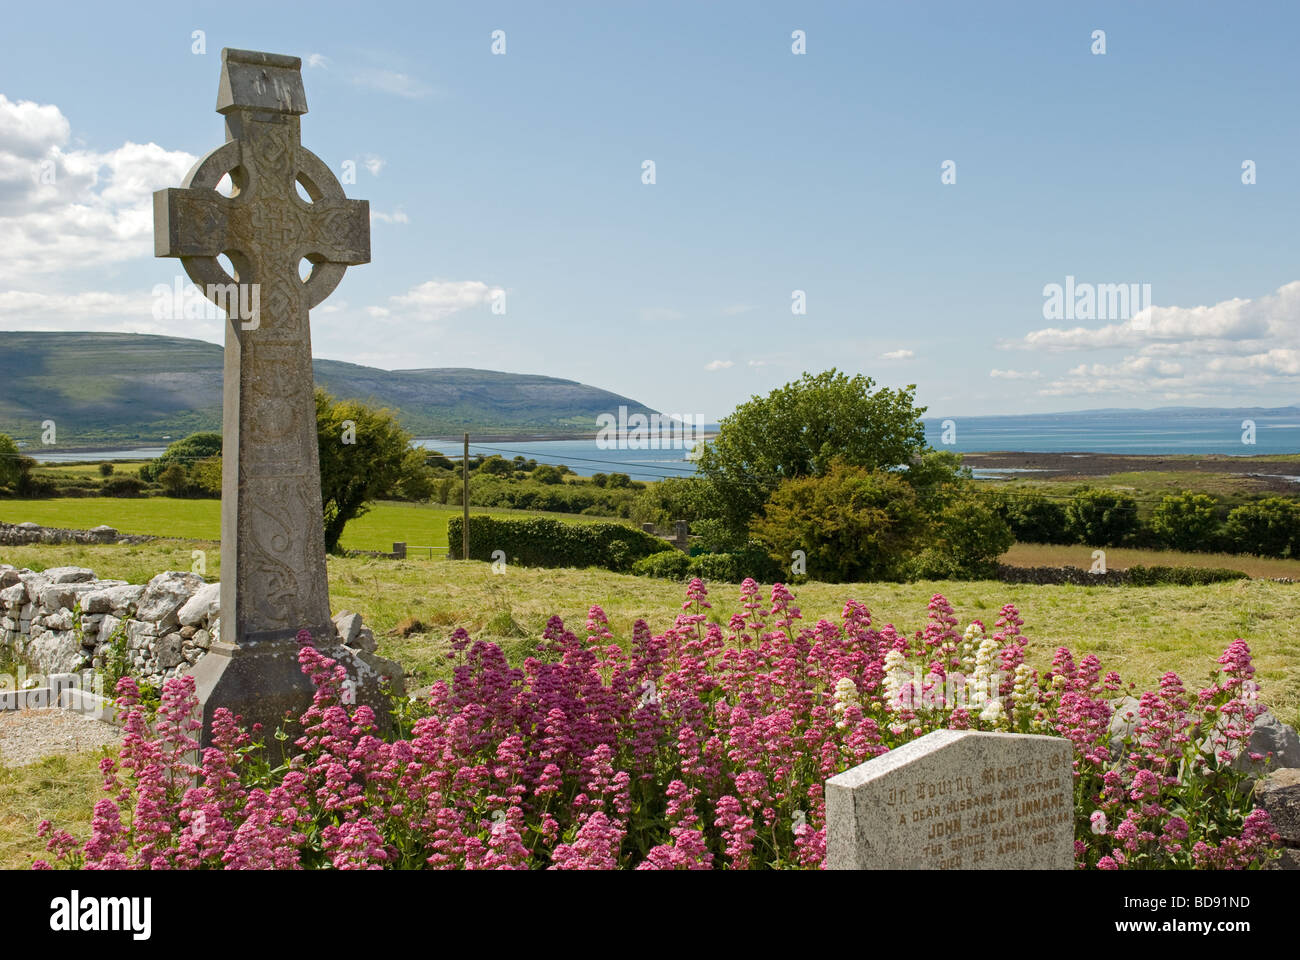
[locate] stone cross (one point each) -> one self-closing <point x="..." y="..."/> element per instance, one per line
<point x="273" y="580"/>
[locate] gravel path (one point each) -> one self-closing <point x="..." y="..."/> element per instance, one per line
<point x="28" y="735"/>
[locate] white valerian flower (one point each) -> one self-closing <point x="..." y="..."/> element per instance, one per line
<point x="982" y="678"/>
<point x="992" y="711"/>
<point x="896" y="675"/>
<point x="846" y="696"/>
<point x="1024" y="691"/>
<point x="799" y="822"/>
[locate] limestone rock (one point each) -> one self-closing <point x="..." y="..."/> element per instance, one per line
<point x="169" y="650"/>
<point x="201" y="607"/>
<point x="59" y="621"/>
<point x="1270" y="735"/>
<point x="69" y="575"/>
<point x="348" y="625"/>
<point x="164" y="597"/>
<point x="56" y="651"/>
<point x="1279" y="794"/>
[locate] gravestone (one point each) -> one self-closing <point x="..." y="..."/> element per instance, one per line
<point x="956" y="799"/>
<point x="273" y="579"/>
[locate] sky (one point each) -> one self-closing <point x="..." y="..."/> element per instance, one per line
<point x="915" y="176"/>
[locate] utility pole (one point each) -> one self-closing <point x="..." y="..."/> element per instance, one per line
<point x="464" y="527"/>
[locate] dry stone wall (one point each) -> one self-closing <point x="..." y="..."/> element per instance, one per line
<point x="65" y="620"/>
<point x="20" y="534"/>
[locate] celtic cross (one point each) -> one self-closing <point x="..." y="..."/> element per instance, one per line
<point x="273" y="580"/>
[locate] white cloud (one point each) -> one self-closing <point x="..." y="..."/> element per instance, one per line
<point x="62" y="209"/>
<point x="440" y="298"/>
<point x="1182" y="354"/>
<point x="391" y="81"/>
<point x="898" y="355"/>
<point x="1272" y="316"/>
<point x="1014" y="374"/>
<point x="373" y="163"/>
<point x="719" y="365"/>
<point x="317" y="60"/>
<point x="397" y="216"/>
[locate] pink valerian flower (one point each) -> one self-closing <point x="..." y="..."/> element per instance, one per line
<point x="561" y="762"/>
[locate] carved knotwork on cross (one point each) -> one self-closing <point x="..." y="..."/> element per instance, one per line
<point x="272" y="540"/>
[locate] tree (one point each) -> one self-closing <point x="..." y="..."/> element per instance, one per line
<point x="1186" y="521"/>
<point x="205" y="476"/>
<point x="797" y="430"/>
<point x="1101" y="518"/>
<point x="496" y="465"/>
<point x="15" y="468"/>
<point x="186" y="452"/>
<point x="547" y="474"/>
<point x="1268" y="527"/>
<point x="1034" y="518"/>
<point x="174" y="479"/>
<point x="618" y="480"/>
<point x="852" y="523"/>
<point x="380" y="463"/>
<point x="105" y="469"/>
<point x="968" y="536"/>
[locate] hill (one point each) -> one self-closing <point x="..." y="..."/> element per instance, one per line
<point x="117" y="388"/>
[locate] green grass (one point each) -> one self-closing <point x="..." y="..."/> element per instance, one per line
<point x="62" y="789"/>
<point x="386" y="523"/>
<point x="1139" y="631"/>
<point x="1120" y="558"/>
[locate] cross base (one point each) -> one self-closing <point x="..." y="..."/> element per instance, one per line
<point x="261" y="682"/>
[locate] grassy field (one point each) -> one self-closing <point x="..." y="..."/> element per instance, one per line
<point x="386" y="523"/>
<point x="62" y="789"/>
<point x="1120" y="558"/>
<point x="1140" y="632"/>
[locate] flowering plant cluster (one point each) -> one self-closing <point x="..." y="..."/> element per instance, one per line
<point x="705" y="746"/>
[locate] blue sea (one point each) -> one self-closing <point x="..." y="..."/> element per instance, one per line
<point x="1168" y="431"/>
<point x="1172" y="431"/>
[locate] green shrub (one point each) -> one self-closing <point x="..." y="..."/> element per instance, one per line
<point x="1033" y="518"/>
<point x="666" y="565"/>
<point x="853" y="524"/>
<point x="186" y="451"/>
<point x="122" y="487"/>
<point x="547" y="474"/>
<point x="1140" y="576"/>
<point x="1186" y="521"/>
<point x="1269" y="528"/>
<point x="966" y="540"/>
<point x="543" y="542"/>
<point x="734" y="567"/>
<point x="1101" y="518"/>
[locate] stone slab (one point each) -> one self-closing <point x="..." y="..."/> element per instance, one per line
<point x="956" y="799"/>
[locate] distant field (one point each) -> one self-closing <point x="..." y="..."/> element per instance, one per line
<point x="387" y="523"/>
<point x="1120" y="558"/>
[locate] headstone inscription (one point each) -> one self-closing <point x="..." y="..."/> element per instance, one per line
<point x="956" y="799"/>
